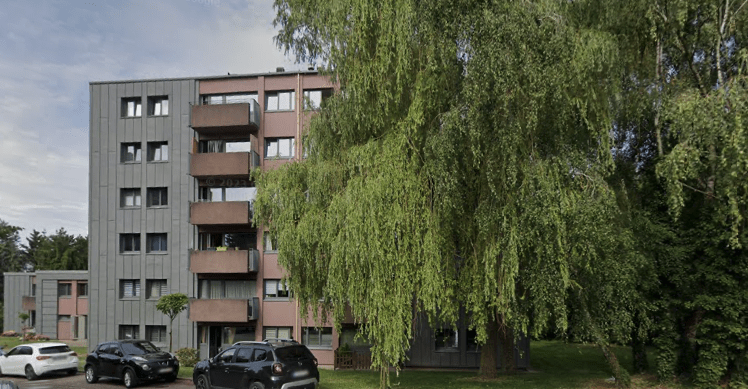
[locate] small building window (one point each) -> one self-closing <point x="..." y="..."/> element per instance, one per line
<point x="63" y="317"/>
<point x="130" y="152"/>
<point x="158" y="197"/>
<point x="271" y="243"/>
<point x="158" y="106"/>
<point x="129" y="197"/>
<point x="155" y="289"/>
<point x="129" y="288"/>
<point x="279" y="101"/>
<point x="229" y="99"/>
<point x="446" y="339"/>
<point x="156" y="243"/>
<point x="132" y="107"/>
<point x="314" y="98"/>
<point x="314" y="337"/>
<point x="158" y="151"/>
<point x="64" y="289"/>
<point x="278" y="332"/>
<point x="276" y="289"/>
<point x="280" y="147"/>
<point x="129" y="331"/>
<point x="129" y="243"/>
<point x="156" y="334"/>
<point x="82" y="289"/>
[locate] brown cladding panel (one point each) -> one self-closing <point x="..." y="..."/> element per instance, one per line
<point x="220" y="164"/>
<point x="227" y="212"/>
<point x="278" y="83"/>
<point x="228" y="85"/>
<point x="224" y="310"/>
<point x="280" y="124"/>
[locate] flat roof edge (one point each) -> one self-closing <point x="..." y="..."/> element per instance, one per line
<point x="230" y="76"/>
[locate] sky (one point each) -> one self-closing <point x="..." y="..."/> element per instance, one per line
<point x="51" y="50"/>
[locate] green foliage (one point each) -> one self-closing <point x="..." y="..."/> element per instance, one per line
<point x="23" y="316"/>
<point x="172" y="305"/>
<point x="187" y="357"/>
<point x="58" y="251"/>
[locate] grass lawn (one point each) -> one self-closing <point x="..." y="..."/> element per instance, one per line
<point x="554" y="365"/>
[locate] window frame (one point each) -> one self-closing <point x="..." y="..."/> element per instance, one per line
<point x="277" y="141"/>
<point x="160" y="329"/>
<point x="135" y="193"/>
<point x="137" y="152"/>
<point x="68" y="287"/>
<point x="163" y="288"/>
<point x="163" y="244"/>
<point x="320" y="331"/>
<point x="277" y="330"/>
<point x="269" y="240"/>
<point x="135" y="237"/>
<point x="445" y="348"/>
<point x="136" y="290"/>
<point x="277" y="95"/>
<point x="162" y="192"/>
<point x="277" y="283"/>
<point x="154" y="101"/>
<point x="137" y="107"/>
<point x="84" y="287"/>
<point x="135" y="328"/>
<point x="325" y="93"/>
<point x="162" y="147"/>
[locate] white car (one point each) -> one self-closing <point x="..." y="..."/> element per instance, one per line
<point x="35" y="359"/>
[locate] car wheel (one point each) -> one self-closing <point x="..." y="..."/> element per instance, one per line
<point x="91" y="375"/>
<point x="131" y="380"/>
<point x="257" y="385"/>
<point x="30" y="374"/>
<point x="202" y="382"/>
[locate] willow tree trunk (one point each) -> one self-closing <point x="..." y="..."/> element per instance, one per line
<point x="506" y="341"/>
<point x="499" y="334"/>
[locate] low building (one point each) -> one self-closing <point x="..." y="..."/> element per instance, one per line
<point x="56" y="302"/>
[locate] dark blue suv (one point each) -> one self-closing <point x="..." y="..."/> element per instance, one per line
<point x="271" y="364"/>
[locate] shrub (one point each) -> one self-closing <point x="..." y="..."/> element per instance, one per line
<point x="10" y="333"/>
<point x="187" y="356"/>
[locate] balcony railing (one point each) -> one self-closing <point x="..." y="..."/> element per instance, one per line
<point x="226" y="119"/>
<point x="221" y="213"/>
<point x="224" y="310"/>
<point x="225" y="261"/>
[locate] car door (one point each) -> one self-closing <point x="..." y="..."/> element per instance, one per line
<point x="108" y="361"/>
<point x="13" y="360"/>
<point x="117" y="360"/>
<point x="258" y="367"/>
<point x="219" y="369"/>
<point x="240" y="367"/>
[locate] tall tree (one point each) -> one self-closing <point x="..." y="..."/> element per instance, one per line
<point x="59" y="251"/>
<point x="172" y="305"/>
<point x="10" y="252"/>
<point x="463" y="165"/>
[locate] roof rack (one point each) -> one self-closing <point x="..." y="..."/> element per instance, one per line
<point x="280" y="340"/>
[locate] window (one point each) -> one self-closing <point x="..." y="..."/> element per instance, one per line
<point x="229" y="240"/>
<point x="156" y="243"/>
<point x="63" y="317"/>
<point x="158" y="151"/>
<point x="271" y="243"/>
<point x="243" y="355"/>
<point x="276" y="289"/>
<point x="229" y="99"/>
<point x="446" y="339"/>
<point x="129" y="331"/>
<point x="158" y="105"/>
<point x="131" y="152"/>
<point x="129" y="288"/>
<point x="279" y="147"/>
<point x="155" y="289"/>
<point x="218" y="194"/>
<point x="158" y="197"/>
<point x="64" y="289"/>
<point x="129" y="243"/>
<point x="472" y="341"/>
<point x="314" y="98"/>
<point x="82" y="289"/>
<point x="129" y="197"/>
<point x="226" y="289"/>
<point x="132" y="107"/>
<point x="279" y="101"/>
<point x="33" y="289"/>
<point x="226" y="356"/>
<point x="156" y="334"/>
<point x="313" y="337"/>
<point x="224" y="146"/>
<point x="278" y="332"/>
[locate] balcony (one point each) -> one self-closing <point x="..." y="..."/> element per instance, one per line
<point x="224" y="310"/>
<point x="229" y="261"/>
<point x="221" y="213"/>
<point x="238" y="164"/>
<point x="28" y="303"/>
<point x="240" y="119"/>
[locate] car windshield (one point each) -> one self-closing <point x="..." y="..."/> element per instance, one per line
<point x="293" y="353"/>
<point x="139" y="348"/>
<point x="54" y="349"/>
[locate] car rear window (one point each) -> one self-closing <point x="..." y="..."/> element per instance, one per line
<point x="293" y="353"/>
<point x="54" y="349"/>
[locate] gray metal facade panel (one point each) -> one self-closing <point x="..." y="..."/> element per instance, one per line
<point x="48" y="311"/>
<point x="15" y="286"/>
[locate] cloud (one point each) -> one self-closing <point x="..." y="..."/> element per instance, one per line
<point x="53" y="49"/>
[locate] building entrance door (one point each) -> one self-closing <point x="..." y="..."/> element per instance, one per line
<point x="214" y="340"/>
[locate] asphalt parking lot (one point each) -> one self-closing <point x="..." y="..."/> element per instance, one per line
<point x="78" y="381"/>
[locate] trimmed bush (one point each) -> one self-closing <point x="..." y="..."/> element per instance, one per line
<point x="187" y="356"/>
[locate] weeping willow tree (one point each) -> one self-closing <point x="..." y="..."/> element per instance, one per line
<point x="464" y="164"/>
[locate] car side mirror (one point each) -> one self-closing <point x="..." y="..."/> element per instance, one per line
<point x="211" y="360"/>
<point x="118" y="353"/>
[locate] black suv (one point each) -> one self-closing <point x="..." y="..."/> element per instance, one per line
<point x="271" y="364"/>
<point x="131" y="361"/>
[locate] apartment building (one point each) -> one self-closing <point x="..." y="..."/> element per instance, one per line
<point x="170" y="210"/>
<point x="56" y="302"/>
